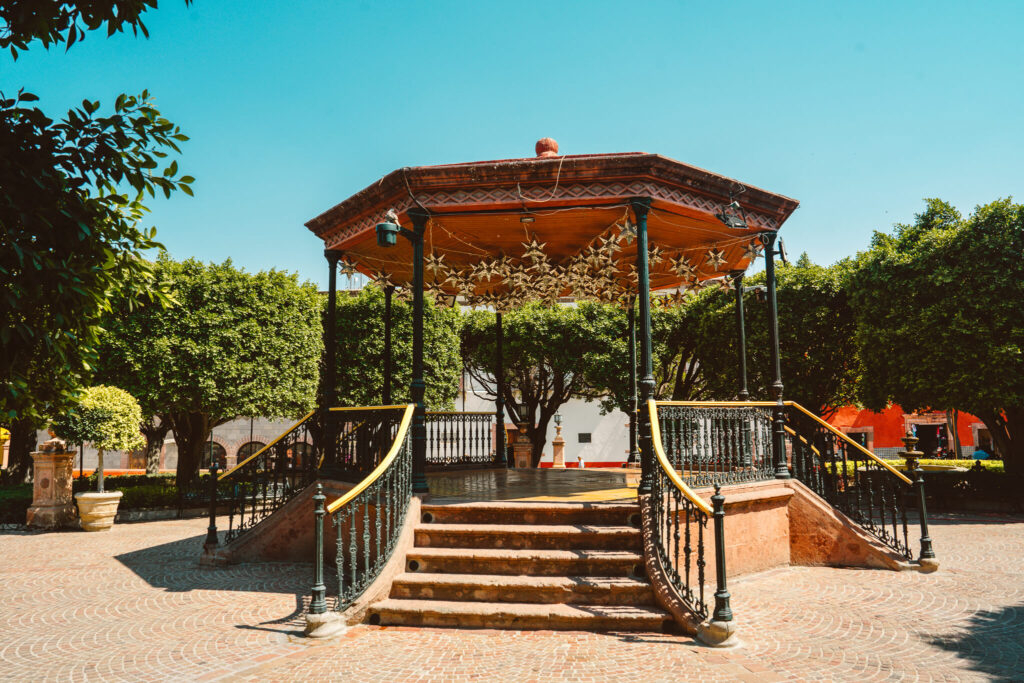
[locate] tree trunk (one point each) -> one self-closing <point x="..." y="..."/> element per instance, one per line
<point x="191" y="432"/>
<point x="539" y="437"/>
<point x="23" y="442"/>
<point x="1007" y="430"/>
<point x="99" y="470"/>
<point x="155" y="431"/>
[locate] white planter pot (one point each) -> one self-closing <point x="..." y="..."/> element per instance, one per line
<point x="97" y="510"/>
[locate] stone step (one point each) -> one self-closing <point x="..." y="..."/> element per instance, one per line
<point x="585" y="590"/>
<point x="512" y="615"/>
<point x="533" y="513"/>
<point x="526" y="562"/>
<point x="542" y="537"/>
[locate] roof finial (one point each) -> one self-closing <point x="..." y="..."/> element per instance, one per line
<point x="547" y="147"/>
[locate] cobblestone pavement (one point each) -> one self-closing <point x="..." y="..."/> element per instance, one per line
<point x="134" y="605"/>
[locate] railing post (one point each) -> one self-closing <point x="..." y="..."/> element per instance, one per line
<point x="723" y="610"/>
<point x="211" y="531"/>
<point x="320" y="622"/>
<point x="501" y="457"/>
<point x="779" y="410"/>
<point x="917" y="475"/>
<point x="641" y="206"/>
<point x="318" y="604"/>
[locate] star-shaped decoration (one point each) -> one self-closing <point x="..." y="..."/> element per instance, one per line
<point x="483" y="271"/>
<point x="715" y="258"/>
<point x="436" y="266"/>
<point x="383" y="279"/>
<point x="627" y="233"/>
<point x="683" y="267"/>
<point x="727" y="284"/>
<point x="404" y="292"/>
<point x="346" y="267"/>
<point x="534" y="250"/>
<point x="655" y="255"/>
<point x="753" y="250"/>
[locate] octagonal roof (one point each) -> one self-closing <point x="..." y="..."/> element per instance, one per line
<point x="553" y="225"/>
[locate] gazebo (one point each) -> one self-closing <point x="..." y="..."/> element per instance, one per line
<point x="605" y="227"/>
<point x="631" y="229"/>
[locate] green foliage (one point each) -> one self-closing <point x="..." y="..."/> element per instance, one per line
<point x="71" y="237"/>
<point x="546" y="352"/>
<point x="819" y="359"/>
<point x="232" y="344"/>
<point x="57" y="21"/>
<point x="360" y="365"/>
<point x="106" y="417"/>
<point x="939" y="318"/>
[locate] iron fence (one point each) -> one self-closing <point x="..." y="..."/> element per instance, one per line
<point x="717" y="444"/>
<point x="460" y="439"/>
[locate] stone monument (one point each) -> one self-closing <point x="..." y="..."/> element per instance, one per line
<point x="52" y="504"/>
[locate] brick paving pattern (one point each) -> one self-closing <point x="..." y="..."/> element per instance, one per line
<point x="133" y="604"/>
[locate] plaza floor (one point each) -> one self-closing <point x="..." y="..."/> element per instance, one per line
<point x="600" y="485"/>
<point x="133" y="605"/>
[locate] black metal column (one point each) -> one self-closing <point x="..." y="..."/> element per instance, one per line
<point x="418" y="387"/>
<point x="631" y="319"/>
<point x="386" y="393"/>
<point x="499" y="399"/>
<point x="641" y="205"/>
<point x="779" y="411"/>
<point x="329" y="393"/>
<point x="741" y="335"/>
<point x="318" y="602"/>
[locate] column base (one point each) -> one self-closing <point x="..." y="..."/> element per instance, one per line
<point x="717" y="633"/>
<point x="324" y="625"/>
<point x="51" y="516"/>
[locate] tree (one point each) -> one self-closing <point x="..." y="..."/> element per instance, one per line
<point x="233" y="344"/>
<point x="545" y="351"/>
<point x="71" y="197"/>
<point x="818" y="357"/>
<point x="106" y="417"/>
<point x="939" y="318"/>
<point x="360" y="337"/>
<point x="53" y="21"/>
<point x="676" y="376"/>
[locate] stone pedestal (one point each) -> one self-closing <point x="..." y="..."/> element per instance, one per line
<point x="558" y="449"/>
<point x="522" y="449"/>
<point x="52" y="504"/>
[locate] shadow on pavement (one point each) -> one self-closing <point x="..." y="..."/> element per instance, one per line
<point x="992" y="641"/>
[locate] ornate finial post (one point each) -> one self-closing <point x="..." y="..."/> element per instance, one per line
<point x="779" y="410"/>
<point x="211" y="531"/>
<point x="916" y="474"/>
<point x="723" y="610"/>
<point x="318" y="605"/>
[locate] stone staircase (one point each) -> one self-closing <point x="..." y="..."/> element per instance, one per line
<point x="559" y="566"/>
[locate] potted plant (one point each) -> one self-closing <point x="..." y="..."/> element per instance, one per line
<point x="108" y="418"/>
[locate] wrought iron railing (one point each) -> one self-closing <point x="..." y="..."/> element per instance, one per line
<point x="457" y="439"/>
<point x="263" y="482"/>
<point x="367" y="521"/>
<point x="717" y="444"/>
<point x="679" y="532"/>
<point x="361" y="437"/>
<point x="850" y="477"/>
<point x="847" y="475"/>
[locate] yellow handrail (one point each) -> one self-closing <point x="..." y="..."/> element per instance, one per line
<point x="789" y="430"/>
<point x="283" y="434"/>
<point x="792" y="404"/>
<point x="850" y="441"/>
<point x="666" y="466"/>
<point x="380" y="469"/>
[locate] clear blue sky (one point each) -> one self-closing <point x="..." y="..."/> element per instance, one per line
<point x="857" y="109"/>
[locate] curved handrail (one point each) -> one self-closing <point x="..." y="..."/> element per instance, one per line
<point x="381" y="468"/>
<point x="794" y="404"/>
<point x="272" y="443"/>
<point x="460" y="412"/>
<point x="850" y="441"/>
<point x="666" y="466"/>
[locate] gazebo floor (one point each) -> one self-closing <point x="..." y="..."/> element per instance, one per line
<point x="533" y="485"/>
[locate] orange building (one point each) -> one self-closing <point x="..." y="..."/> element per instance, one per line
<point x="881" y="431"/>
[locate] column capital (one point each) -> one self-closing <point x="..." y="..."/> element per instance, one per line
<point x="332" y="256"/>
<point x="641" y="205"/>
<point x="419" y="217"/>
